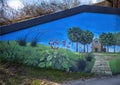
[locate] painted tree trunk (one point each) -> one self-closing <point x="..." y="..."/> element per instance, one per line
<point x="107" y="48"/>
<point x="87" y="48"/>
<point x="77" y="44"/>
<point x="114" y="48"/>
<point x="84" y="48"/>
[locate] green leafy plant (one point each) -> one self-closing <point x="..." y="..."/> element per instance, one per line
<point x="55" y="59"/>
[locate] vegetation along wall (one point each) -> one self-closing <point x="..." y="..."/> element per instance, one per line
<point x="60" y="43"/>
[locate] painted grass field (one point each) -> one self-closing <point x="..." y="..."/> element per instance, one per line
<point x="115" y="64"/>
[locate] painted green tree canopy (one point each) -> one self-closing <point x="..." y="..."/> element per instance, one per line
<point x="77" y="35"/>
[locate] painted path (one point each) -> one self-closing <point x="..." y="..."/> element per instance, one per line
<point x="101" y="66"/>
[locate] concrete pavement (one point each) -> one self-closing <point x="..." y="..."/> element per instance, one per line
<point x="96" y="81"/>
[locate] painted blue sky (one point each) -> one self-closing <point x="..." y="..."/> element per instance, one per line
<point x="57" y="30"/>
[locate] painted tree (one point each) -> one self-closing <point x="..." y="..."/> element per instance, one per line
<point x="87" y="38"/>
<point x="107" y="39"/>
<point x="114" y="41"/>
<point x="102" y="39"/>
<point x="118" y="38"/>
<point x="83" y="39"/>
<point x="75" y="34"/>
<point x="90" y="36"/>
<point x="110" y="40"/>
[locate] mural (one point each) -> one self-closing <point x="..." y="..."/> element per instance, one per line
<point x="64" y="44"/>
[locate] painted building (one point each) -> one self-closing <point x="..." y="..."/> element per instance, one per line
<point x="96" y="45"/>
